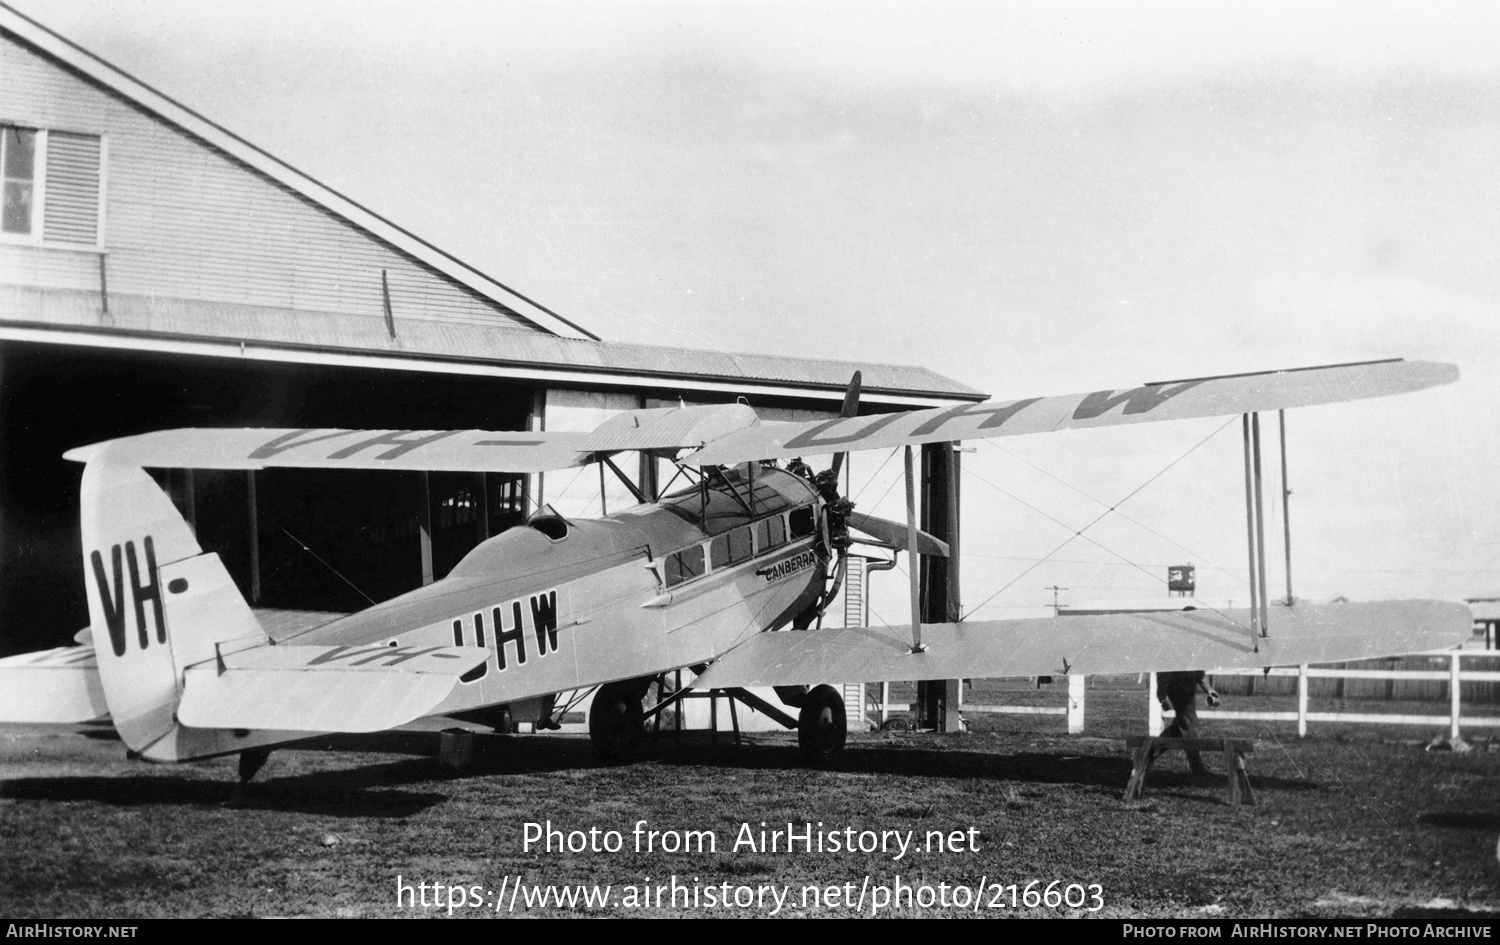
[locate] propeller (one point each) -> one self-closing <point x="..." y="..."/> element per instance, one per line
<point x="894" y="534"/>
<point x="842" y="510"/>
<point x="839" y="515"/>
<point x="827" y="483"/>
<point x="850" y="408"/>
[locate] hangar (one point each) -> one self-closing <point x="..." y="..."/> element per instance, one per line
<point x="157" y="270"/>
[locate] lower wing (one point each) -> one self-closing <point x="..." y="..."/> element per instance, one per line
<point x="52" y="687"/>
<point x="1091" y="645"/>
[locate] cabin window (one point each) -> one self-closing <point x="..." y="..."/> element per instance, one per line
<point x="769" y="533"/>
<point x="802" y="522"/>
<point x="684" y="565"/>
<point x="718" y="552"/>
<point x="741" y="547"/>
<point x="51" y="186"/>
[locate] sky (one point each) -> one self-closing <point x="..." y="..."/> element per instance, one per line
<point x="1028" y="198"/>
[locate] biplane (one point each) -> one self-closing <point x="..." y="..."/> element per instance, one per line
<point x="727" y="577"/>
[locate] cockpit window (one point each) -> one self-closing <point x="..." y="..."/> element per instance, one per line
<point x="740" y="514"/>
<point x="549" y="523"/>
<point x="717" y="508"/>
<point x="802" y="522"/>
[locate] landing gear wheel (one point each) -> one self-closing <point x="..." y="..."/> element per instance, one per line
<point x="822" y="725"/>
<point x="615" y="719"/>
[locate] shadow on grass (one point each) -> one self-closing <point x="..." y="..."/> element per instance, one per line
<point x="1455" y="915"/>
<point x="502" y="755"/>
<point x="953" y="761"/>
<point x="1463" y="819"/>
<point x="122" y="792"/>
<point x="354" y="787"/>
<point x="354" y="792"/>
<point x="345" y="786"/>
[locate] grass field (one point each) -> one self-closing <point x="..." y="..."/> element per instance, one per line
<point x="1364" y="824"/>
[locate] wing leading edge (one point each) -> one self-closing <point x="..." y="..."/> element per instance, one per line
<point x="1091" y="645"/>
<point x="1164" y="400"/>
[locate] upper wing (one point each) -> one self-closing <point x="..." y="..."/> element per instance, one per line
<point x="455" y="450"/>
<point x="731" y="433"/>
<point x="1090" y="645"/>
<point x="1163" y="400"/>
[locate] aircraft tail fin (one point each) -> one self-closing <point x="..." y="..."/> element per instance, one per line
<point x="157" y="605"/>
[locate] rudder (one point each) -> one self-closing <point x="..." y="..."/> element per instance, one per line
<point x="157" y="604"/>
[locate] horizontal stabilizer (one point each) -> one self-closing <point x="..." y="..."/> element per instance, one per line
<point x="1092" y="645"/>
<point x="323" y="688"/>
<point x="52" y="687"/>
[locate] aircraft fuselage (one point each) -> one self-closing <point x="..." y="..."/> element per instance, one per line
<point x="569" y="604"/>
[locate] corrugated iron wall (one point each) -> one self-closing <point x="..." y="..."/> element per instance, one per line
<point x="186" y="221"/>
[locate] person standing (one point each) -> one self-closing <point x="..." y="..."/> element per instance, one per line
<point x="1179" y="690"/>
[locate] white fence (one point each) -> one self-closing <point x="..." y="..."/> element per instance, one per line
<point x="1453" y="675"/>
<point x="1073" y="710"/>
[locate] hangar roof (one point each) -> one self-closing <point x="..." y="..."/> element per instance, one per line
<point x="562" y="352"/>
<point x="244" y="331"/>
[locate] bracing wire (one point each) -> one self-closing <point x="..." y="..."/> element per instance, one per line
<point x="325" y="564"/>
<point x="1204" y="558"/>
<point x="1079" y="533"/>
<point x="871" y="481"/>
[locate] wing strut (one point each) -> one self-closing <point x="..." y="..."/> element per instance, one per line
<point x="1260" y="529"/>
<point x="915" y="562"/>
<point x="634" y="489"/>
<point x="1255" y="530"/>
<point x="1286" y="510"/>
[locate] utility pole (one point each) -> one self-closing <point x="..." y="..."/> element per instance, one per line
<point x="1056" y="607"/>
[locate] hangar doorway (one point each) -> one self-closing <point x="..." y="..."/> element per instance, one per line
<point x="322" y="541"/>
